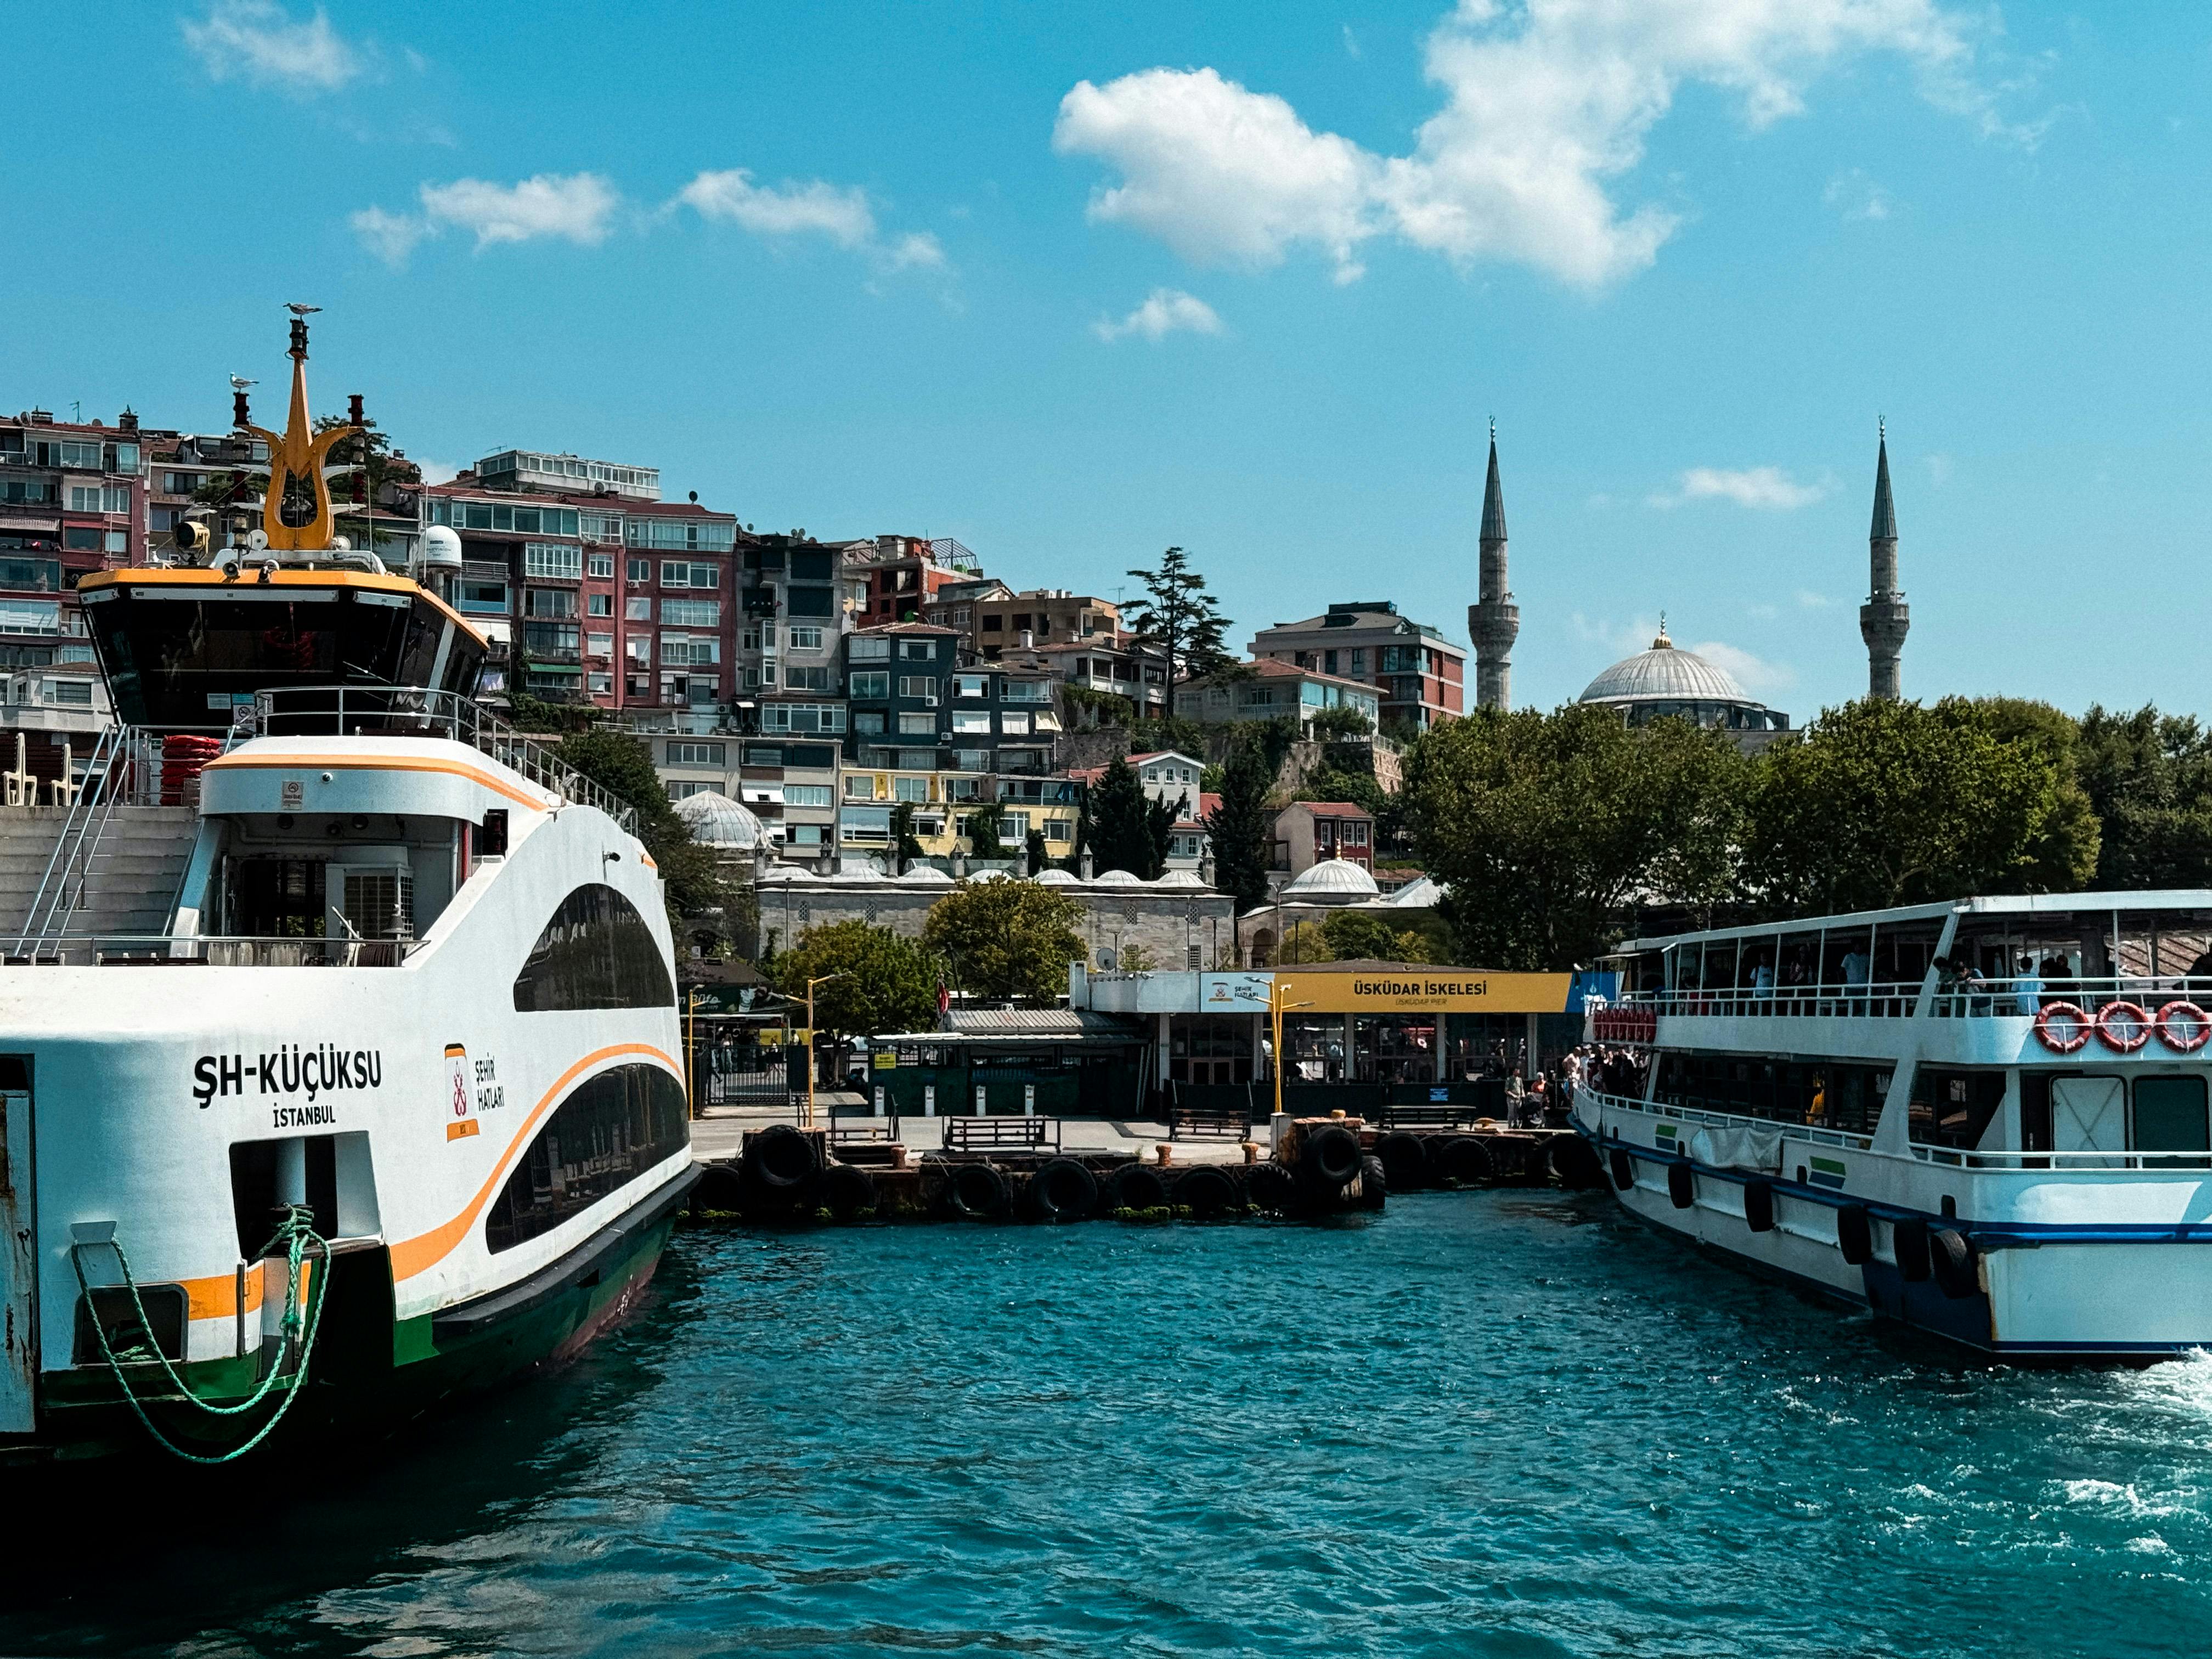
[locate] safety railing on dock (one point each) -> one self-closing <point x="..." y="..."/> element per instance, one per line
<point x="2027" y="995"/>
<point x="1795" y="1130"/>
<point x="162" y="950"/>
<point x="1893" y="1000"/>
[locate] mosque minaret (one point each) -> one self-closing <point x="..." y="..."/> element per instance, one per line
<point x="1884" y="618"/>
<point x="1494" y="621"/>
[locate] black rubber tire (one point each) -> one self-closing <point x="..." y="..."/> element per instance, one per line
<point x="848" y="1192"/>
<point x="1208" y="1191"/>
<point x="1951" y="1259"/>
<point x="1759" y="1206"/>
<point x="719" y="1189"/>
<point x="1373" y="1183"/>
<point x="1575" y="1161"/>
<point x="1134" y="1186"/>
<point x="1854" y="1235"/>
<point x="1330" y="1155"/>
<point x="779" y="1157"/>
<point x="1271" y="1187"/>
<point x="976" y="1192"/>
<point x="1404" y="1159"/>
<point x="1681" y="1185"/>
<point x="1624" y="1169"/>
<point x="1908" y="1242"/>
<point x="1465" y="1160"/>
<point x="1060" y="1190"/>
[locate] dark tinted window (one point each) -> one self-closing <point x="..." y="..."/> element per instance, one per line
<point x="608" y="1132"/>
<point x="597" y="953"/>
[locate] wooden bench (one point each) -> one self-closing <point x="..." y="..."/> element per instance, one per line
<point x="851" y="1125"/>
<point x="966" y="1135"/>
<point x="1209" y="1123"/>
<point x="1440" y="1116"/>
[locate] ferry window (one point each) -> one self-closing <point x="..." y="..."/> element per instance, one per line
<point x="2170" y="1116"/>
<point x="610" y="1131"/>
<point x="597" y="953"/>
<point x="1953" y="1109"/>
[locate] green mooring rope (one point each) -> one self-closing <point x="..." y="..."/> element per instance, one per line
<point x="294" y="1234"/>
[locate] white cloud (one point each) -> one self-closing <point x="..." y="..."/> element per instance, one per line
<point x="389" y="236"/>
<point x="258" y="40"/>
<point x="1808" y="600"/>
<point x="1753" y="673"/>
<point x="436" y="472"/>
<point x="573" y="207"/>
<point x="1351" y="43"/>
<point x="1165" y="311"/>
<point x="1755" y="486"/>
<point x="816" y="208"/>
<point x="1939" y="469"/>
<point x="1544" y="105"/>
<point x="1856" y="196"/>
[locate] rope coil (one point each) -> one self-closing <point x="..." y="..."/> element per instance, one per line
<point x="293" y="1234"/>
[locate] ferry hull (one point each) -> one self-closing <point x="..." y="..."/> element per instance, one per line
<point x="2044" y="1291"/>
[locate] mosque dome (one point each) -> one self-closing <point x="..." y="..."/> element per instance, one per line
<point x="717" y="821"/>
<point x="1665" y="671"/>
<point x="1332" y="881"/>
<point x="1056" y="879"/>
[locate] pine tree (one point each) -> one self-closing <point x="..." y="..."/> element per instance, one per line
<point x="1121" y="820"/>
<point x="1241" y="829"/>
<point x="1179" y="616"/>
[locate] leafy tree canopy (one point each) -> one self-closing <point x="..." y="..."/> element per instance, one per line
<point x="884" y="981"/>
<point x="622" y="766"/>
<point x="1240" y="827"/>
<point x="1180" y="616"/>
<point x="2148" y="777"/>
<point x="1545" y="826"/>
<point x="1007" y="940"/>
<point x="1357" y="936"/>
<point x="1122" y="824"/>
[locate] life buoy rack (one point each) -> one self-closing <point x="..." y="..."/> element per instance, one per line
<point x="2182" y="1026"/>
<point x="2123" y="1027"/>
<point x="2062" y="1027"/>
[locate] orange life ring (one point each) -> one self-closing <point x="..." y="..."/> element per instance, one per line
<point x="2123" y="1027"/>
<point x="2062" y="1027"/>
<point x="2183" y="1025"/>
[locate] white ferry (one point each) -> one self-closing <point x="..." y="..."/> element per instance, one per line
<point x="1985" y="1119"/>
<point x="390" y="1103"/>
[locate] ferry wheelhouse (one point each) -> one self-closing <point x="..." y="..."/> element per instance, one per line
<point x="385" y="1101"/>
<point x="1986" y="1119"/>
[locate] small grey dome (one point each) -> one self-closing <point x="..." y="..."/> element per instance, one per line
<point x="1116" y="879"/>
<point x="1332" y="880"/>
<point x="715" y="820"/>
<point x="925" y="875"/>
<point x="1056" y="879"/>
<point x="1179" y="878"/>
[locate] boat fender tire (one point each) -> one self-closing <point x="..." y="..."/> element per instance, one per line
<point x="846" y="1191"/>
<point x="2123" y="1027"/>
<point x="1271" y="1187"/>
<point x="1908" y="1242"/>
<point x="1950" y="1258"/>
<point x="977" y="1192"/>
<point x="1854" y="1235"/>
<point x="2062" y="1027"/>
<point x="1759" y="1206"/>
<point x="1136" y="1187"/>
<point x="2182" y="1026"/>
<point x="1465" y="1159"/>
<point x="780" y="1157"/>
<point x="1330" y="1155"/>
<point x="1373" y="1183"/>
<point x="1624" y="1169"/>
<point x="1681" y="1185"/>
<point x="1208" y="1191"/>
<point x="1574" y="1160"/>
<point x="719" y="1189"/>
<point x="1061" y="1190"/>
<point x="1404" y="1159"/>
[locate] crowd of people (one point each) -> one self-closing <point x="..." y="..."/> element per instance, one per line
<point x="1544" y="1099"/>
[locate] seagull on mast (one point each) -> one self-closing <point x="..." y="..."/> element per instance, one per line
<point x="299" y="310"/>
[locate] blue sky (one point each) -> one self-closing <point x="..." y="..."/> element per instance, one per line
<point x="1072" y="287"/>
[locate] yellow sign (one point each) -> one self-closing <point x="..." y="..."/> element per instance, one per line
<point x="801" y="1038"/>
<point x="1446" y="990"/>
<point x="886" y="1062"/>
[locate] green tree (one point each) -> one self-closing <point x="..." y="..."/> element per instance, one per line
<point x="1179" y="616"/>
<point x="983" y="824"/>
<point x="1034" y="857"/>
<point x="1338" y="783"/>
<point x="1357" y="936"/>
<point x="885" y="982"/>
<point x="1121" y="823"/>
<point x="1340" y="720"/>
<point x="1879" y="803"/>
<point x="1544" y="827"/>
<point x="1242" y="829"/>
<point x="622" y="766"/>
<point x="906" y="846"/>
<point x="1007" y="940"/>
<point x="2148" y="777"/>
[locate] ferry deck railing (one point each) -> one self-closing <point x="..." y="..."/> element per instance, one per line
<point x="1795" y="1130"/>
<point x="2020" y="998"/>
<point x="215" y="950"/>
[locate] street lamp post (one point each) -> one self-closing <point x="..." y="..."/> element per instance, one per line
<point x="811" y="984"/>
<point x="1276" y="1009"/>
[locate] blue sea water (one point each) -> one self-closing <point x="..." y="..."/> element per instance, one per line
<point x="1497" y="1424"/>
